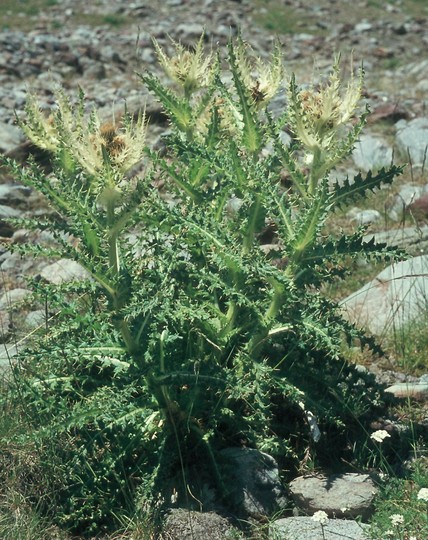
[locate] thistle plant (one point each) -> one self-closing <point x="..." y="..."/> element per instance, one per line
<point x="193" y="333"/>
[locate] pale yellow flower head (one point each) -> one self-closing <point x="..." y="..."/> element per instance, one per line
<point x="318" y="113"/>
<point x="39" y="127"/>
<point x="191" y="69"/>
<point x="261" y="78"/>
<point x="92" y="144"/>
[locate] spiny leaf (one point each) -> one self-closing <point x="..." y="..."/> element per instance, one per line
<point x="178" y="109"/>
<point x="251" y="137"/>
<point x="352" y="246"/>
<point x="359" y="187"/>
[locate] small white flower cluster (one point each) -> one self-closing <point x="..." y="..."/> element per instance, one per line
<point x="396" y="519"/>
<point x="320" y="517"/>
<point x="423" y="494"/>
<point x="380" y="435"/>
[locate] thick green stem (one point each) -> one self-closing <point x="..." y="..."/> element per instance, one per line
<point x="276" y="303"/>
<point x="314" y="175"/>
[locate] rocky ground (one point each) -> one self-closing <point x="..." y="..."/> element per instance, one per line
<point x="100" y="45"/>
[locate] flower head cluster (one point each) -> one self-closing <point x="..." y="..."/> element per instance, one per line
<point x="396" y="519"/>
<point x="316" y="114"/>
<point x="320" y="517"/>
<point x="191" y="69"/>
<point x="380" y="435"/>
<point x="262" y="79"/>
<point x="90" y="143"/>
<point x="423" y="494"/>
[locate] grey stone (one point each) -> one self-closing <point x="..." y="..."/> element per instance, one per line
<point x="394" y="298"/>
<point x="413" y="239"/>
<point x="35" y="318"/>
<point x="4" y="326"/>
<point x="7" y="352"/>
<point x="372" y="153"/>
<point x="254" y="482"/>
<point x="364" y="217"/>
<point x="64" y="270"/>
<point x="363" y="26"/>
<point x="304" y="528"/>
<point x="13" y="194"/>
<point x="181" y="524"/>
<point x="407" y="195"/>
<point x="415" y="390"/>
<point x="412" y="139"/>
<point x="12" y="297"/>
<point x="9" y="212"/>
<point x="10" y="137"/>
<point x="348" y="495"/>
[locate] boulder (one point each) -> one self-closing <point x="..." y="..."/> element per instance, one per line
<point x="12" y="297"/>
<point x="413" y="239"/>
<point x="372" y="153"/>
<point x="409" y="390"/>
<point x="395" y="297"/>
<point x="304" y="528"/>
<point x="348" y="495"/>
<point x="412" y="139"/>
<point x="254" y="482"/>
<point x="64" y="270"/>
<point x="181" y="524"/>
<point x="10" y="137"/>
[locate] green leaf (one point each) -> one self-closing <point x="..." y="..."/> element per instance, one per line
<point x="256" y="221"/>
<point x="359" y="187"/>
<point x="251" y="136"/>
<point x="178" y="109"/>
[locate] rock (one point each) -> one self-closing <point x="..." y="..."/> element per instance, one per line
<point x="8" y="212"/>
<point x="363" y="26"/>
<point x="181" y="524"/>
<point x="347" y="495"/>
<point x="10" y="137"/>
<point x="7" y="352"/>
<point x="64" y="270"/>
<point x="413" y="239"/>
<point x="419" y="208"/>
<point x="4" y="326"/>
<point x="372" y="153"/>
<point x="304" y="528"/>
<point x="10" y="298"/>
<point x="414" y="390"/>
<point x="390" y="112"/>
<point x="254" y="482"/>
<point x="407" y="195"/>
<point x="393" y="299"/>
<point x="13" y="194"/>
<point x="412" y="140"/>
<point x="364" y="217"/>
<point x="35" y="319"/>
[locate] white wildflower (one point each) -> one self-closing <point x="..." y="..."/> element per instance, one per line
<point x="423" y="494"/>
<point x="320" y="517"/>
<point x="396" y="519"/>
<point x="380" y="435"/>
